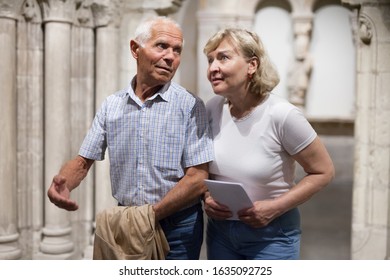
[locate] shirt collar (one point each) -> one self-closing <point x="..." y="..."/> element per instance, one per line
<point x="164" y="93"/>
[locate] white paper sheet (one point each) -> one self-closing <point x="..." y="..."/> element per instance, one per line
<point x="231" y="194"/>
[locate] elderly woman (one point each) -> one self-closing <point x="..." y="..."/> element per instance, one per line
<point x="258" y="138"/>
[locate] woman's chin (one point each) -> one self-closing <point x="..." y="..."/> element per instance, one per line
<point x="217" y="91"/>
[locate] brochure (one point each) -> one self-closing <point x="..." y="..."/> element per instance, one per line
<point x="231" y="194"/>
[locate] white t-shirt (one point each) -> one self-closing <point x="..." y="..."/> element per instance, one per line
<point x="256" y="149"/>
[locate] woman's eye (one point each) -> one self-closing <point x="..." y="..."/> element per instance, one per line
<point x="222" y="57"/>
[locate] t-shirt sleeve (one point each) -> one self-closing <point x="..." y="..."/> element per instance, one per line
<point x="296" y="132"/>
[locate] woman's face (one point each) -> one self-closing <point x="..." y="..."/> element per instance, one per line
<point x="227" y="70"/>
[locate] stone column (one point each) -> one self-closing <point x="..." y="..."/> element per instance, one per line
<point x="106" y="16"/>
<point x="371" y="191"/>
<point x="30" y="127"/>
<point x="82" y="102"/>
<point x="9" y="248"/>
<point x="58" y="17"/>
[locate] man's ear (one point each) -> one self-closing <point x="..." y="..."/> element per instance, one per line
<point x="134" y="48"/>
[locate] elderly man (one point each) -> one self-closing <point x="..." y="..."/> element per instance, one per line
<point x="158" y="142"/>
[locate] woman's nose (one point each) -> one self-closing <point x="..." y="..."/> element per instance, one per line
<point x="213" y="66"/>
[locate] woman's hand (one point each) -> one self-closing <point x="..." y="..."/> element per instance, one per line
<point x="260" y="215"/>
<point x="216" y="210"/>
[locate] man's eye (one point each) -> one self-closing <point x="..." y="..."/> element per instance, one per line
<point x="177" y="50"/>
<point x="161" y="46"/>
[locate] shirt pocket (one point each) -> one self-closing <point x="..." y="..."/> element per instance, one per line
<point x="168" y="141"/>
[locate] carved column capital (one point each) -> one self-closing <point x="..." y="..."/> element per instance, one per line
<point x="365" y="29"/>
<point x="31" y="11"/>
<point x="58" y="10"/>
<point x="10" y="8"/>
<point x="162" y="7"/>
<point x="168" y="6"/>
<point x="106" y="12"/>
<point x="83" y="13"/>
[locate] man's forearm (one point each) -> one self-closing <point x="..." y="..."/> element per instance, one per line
<point x="187" y="191"/>
<point x="74" y="171"/>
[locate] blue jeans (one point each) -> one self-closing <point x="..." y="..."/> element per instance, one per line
<point x="234" y="240"/>
<point x="184" y="232"/>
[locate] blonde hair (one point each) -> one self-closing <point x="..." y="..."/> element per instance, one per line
<point x="249" y="45"/>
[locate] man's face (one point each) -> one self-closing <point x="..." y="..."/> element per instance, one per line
<point x="159" y="58"/>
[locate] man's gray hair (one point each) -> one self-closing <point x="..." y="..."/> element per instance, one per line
<point x="144" y="31"/>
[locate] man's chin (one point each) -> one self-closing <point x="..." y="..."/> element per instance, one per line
<point x="164" y="77"/>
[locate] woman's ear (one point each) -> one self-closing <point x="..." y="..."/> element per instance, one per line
<point x="253" y="64"/>
<point x="134" y="48"/>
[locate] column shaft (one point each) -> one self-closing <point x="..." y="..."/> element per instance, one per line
<point x="57" y="241"/>
<point x="9" y="248"/>
<point x="107" y="77"/>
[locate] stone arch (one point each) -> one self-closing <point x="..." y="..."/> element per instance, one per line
<point x="317" y="4"/>
<point x="283" y="4"/>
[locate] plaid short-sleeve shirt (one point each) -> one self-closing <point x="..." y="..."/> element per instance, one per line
<point x="149" y="144"/>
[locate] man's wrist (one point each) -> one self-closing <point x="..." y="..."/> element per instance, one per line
<point x="156" y="212"/>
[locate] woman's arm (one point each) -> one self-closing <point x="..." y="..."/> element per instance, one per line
<point x="319" y="169"/>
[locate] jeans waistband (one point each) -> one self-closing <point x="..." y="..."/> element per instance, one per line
<point x="290" y="218"/>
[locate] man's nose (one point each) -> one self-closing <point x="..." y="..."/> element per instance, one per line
<point x="169" y="54"/>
